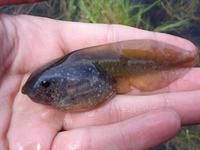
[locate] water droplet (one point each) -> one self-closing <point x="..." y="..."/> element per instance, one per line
<point x="73" y="147"/>
<point x="38" y="147"/>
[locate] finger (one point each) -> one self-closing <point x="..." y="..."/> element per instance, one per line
<point x="32" y="126"/>
<point x="9" y="2"/>
<point x="70" y="36"/>
<point x="5" y="114"/>
<point x="8" y="87"/>
<point x="142" y="132"/>
<point x="79" y="35"/>
<point x="74" y="35"/>
<point x="125" y="106"/>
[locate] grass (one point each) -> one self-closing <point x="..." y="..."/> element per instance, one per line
<point x="179" y="17"/>
<point x="112" y="11"/>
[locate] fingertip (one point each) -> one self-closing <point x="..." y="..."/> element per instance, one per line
<point x="70" y="140"/>
<point x="171" y="117"/>
<point x="175" y="40"/>
<point x="155" y="127"/>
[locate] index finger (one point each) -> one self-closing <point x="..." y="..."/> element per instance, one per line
<point x="79" y="35"/>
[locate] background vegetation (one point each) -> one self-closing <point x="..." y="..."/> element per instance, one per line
<point x="178" y="17"/>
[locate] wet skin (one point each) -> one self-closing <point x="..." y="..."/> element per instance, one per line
<point x="86" y="78"/>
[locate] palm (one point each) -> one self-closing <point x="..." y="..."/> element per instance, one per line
<point x="30" y="52"/>
<point x="36" y="41"/>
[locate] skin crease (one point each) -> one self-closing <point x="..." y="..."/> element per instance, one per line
<point x="25" y="43"/>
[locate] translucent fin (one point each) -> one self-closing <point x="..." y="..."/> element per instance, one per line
<point x="150" y="81"/>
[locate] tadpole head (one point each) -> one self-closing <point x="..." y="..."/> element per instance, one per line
<point x="70" y="87"/>
<point x="43" y="86"/>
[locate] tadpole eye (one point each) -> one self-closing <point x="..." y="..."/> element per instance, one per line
<point x="45" y="83"/>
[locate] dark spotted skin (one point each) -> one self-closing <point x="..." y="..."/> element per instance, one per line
<point x="86" y="78"/>
<point x="71" y="86"/>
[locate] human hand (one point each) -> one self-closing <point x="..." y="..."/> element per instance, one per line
<point x="126" y="122"/>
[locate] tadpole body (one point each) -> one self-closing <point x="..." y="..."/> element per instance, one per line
<point x="86" y="78"/>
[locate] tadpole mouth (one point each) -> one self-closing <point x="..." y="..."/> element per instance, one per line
<point x="27" y="90"/>
<point x="24" y="90"/>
